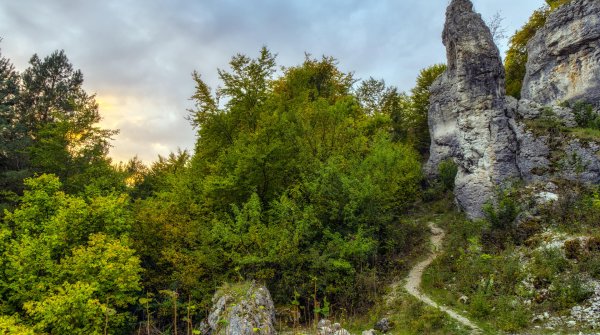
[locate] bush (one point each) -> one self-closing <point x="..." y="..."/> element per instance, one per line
<point x="569" y="290"/>
<point x="447" y="173"/>
<point x="593" y="244"/>
<point x="502" y="215"/>
<point x="512" y="315"/>
<point x="585" y="115"/>
<point x="545" y="265"/>
<point x="12" y="325"/>
<point x="573" y="249"/>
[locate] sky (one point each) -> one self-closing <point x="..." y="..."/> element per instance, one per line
<point x="137" y="56"/>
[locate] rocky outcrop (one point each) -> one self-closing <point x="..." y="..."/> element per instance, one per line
<point x="468" y="120"/>
<point x="564" y="56"/>
<point x="550" y="151"/>
<point x="242" y="309"/>
<point x="493" y="138"/>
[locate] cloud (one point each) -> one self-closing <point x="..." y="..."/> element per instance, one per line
<point x="137" y="56"/>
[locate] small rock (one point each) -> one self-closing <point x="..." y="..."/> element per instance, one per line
<point x="543" y="198"/>
<point x="383" y="325"/>
<point x="571" y="323"/>
<point x="324" y="323"/>
<point x="464" y="299"/>
<point x="368" y="332"/>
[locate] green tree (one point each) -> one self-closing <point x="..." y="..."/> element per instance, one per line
<point x="419" y="128"/>
<point x="63" y="255"/>
<point x="60" y="120"/>
<point x="556" y="3"/>
<point x="12" y="134"/>
<point x="516" y="56"/>
<point x="294" y="178"/>
<point x="147" y="181"/>
<point x="245" y="88"/>
<point x="377" y="100"/>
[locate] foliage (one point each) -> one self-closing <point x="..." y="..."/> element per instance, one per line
<point x="556" y="3"/>
<point x="447" y="171"/>
<point x="585" y="116"/>
<point x="13" y="326"/>
<point x="49" y="126"/>
<point x="503" y="213"/>
<point x="67" y="261"/>
<point x="420" y="106"/>
<point x="407" y="113"/>
<point x="295" y="182"/>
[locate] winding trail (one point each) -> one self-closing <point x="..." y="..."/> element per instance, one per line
<point x="413" y="281"/>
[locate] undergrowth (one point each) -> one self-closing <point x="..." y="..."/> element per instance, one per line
<point x="502" y="271"/>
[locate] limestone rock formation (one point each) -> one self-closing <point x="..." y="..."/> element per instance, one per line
<point x="468" y="120"/>
<point x="551" y="153"/>
<point x="494" y="138"/>
<point x="564" y="56"/>
<point x="242" y="309"/>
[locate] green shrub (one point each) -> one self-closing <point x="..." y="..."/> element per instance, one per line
<point x="502" y="215"/>
<point x="501" y="218"/>
<point x="12" y="325"/>
<point x="546" y="263"/>
<point x="585" y="115"/>
<point x="512" y="315"/>
<point x="569" y="290"/>
<point x="447" y="173"/>
<point x="573" y="249"/>
<point x="481" y="305"/>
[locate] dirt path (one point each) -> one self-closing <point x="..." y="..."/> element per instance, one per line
<point x="413" y="281"/>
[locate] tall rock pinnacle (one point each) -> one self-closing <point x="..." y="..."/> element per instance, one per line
<point x="467" y="118"/>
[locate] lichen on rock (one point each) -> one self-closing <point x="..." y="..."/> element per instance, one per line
<point x="242" y="309"/>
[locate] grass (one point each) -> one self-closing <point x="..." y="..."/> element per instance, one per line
<point x="547" y="126"/>
<point x="409" y="317"/>
<point x="505" y="285"/>
<point x="585" y="134"/>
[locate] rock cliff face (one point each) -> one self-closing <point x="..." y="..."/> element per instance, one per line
<point x="493" y="138"/>
<point x="468" y="120"/>
<point x="564" y="56"/>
